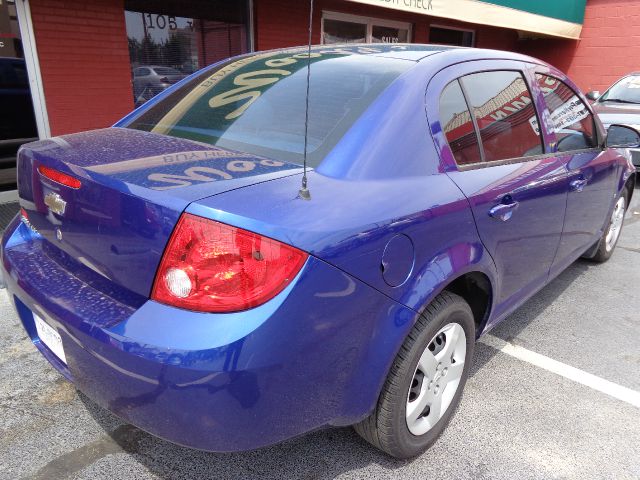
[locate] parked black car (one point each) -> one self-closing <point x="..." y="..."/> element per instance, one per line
<point x="620" y="104"/>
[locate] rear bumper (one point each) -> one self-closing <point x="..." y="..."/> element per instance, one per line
<point x="315" y="355"/>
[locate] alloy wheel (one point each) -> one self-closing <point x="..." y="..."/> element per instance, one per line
<point x="617" y="218"/>
<point x="436" y="378"/>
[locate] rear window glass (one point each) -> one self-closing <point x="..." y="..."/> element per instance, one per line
<point x="257" y="104"/>
<point x="458" y="126"/>
<point x="504" y="113"/>
<point x="571" y="120"/>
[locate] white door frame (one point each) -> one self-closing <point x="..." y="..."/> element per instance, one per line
<point x="33" y="68"/>
<point x="368" y="21"/>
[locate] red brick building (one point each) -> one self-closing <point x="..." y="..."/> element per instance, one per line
<point x="91" y="61"/>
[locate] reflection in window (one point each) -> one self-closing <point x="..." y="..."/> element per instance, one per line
<point x="268" y="118"/>
<point x="457" y="125"/>
<point x="571" y="120"/>
<point x="170" y="40"/>
<point x="389" y="34"/>
<point x="338" y="31"/>
<point x="502" y="106"/>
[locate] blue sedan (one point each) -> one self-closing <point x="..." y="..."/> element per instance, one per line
<point x="170" y="269"/>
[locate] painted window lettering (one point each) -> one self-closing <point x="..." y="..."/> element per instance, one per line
<point x="246" y="82"/>
<point x="251" y="104"/>
<point x="569" y="117"/>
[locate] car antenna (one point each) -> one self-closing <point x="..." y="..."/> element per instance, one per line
<point x="304" y="192"/>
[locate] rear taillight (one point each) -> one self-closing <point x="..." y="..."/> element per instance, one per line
<point x="59" y="177"/>
<point x="213" y="267"/>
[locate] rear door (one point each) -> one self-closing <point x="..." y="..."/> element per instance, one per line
<point x="484" y="121"/>
<point x="590" y="168"/>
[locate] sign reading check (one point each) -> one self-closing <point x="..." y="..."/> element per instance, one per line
<point x="503" y="14"/>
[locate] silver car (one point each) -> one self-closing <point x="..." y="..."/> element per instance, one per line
<point x="620" y="104"/>
<point x="149" y="80"/>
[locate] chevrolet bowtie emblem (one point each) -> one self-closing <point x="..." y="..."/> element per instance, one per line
<point x="55" y="203"/>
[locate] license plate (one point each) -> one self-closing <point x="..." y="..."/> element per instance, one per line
<point x="50" y="338"/>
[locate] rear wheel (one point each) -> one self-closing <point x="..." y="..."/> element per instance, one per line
<point x="611" y="235"/>
<point x="426" y="380"/>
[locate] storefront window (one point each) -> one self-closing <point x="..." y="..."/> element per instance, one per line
<point x="344" y="28"/>
<point x="389" y="35"/>
<point x="451" y="36"/>
<point x="337" y="31"/>
<point x="169" y="40"/>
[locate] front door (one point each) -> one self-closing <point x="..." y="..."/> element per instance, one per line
<point x="517" y="192"/>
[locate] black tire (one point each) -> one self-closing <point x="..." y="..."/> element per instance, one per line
<point x="386" y="428"/>
<point x="603" y="252"/>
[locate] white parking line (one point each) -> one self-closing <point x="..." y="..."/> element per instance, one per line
<point x="567" y="371"/>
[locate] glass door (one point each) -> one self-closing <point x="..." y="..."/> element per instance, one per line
<point x="170" y="40"/>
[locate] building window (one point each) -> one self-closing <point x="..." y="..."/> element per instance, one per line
<point x="344" y="28"/>
<point x="169" y="39"/>
<point x="451" y="36"/>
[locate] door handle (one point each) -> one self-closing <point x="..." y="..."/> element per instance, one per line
<point x="578" y="184"/>
<point x="504" y="211"/>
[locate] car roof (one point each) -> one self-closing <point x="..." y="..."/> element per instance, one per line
<point x="415" y="52"/>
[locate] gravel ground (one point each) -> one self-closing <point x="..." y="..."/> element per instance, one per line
<point x="516" y="420"/>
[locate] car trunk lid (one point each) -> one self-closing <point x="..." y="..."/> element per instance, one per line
<point x="134" y="186"/>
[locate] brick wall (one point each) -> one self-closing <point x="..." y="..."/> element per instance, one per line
<point x="84" y="61"/>
<point x="609" y="46"/>
<point x="284" y="24"/>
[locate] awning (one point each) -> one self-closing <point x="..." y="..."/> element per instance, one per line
<point x="558" y="18"/>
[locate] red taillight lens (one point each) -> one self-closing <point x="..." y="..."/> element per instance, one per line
<point x="212" y="267"/>
<point x="59" y="177"/>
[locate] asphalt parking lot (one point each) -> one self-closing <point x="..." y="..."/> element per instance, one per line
<point x="517" y="418"/>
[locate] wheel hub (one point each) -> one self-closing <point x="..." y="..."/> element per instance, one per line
<point x="436" y="379"/>
<point x="615" y="226"/>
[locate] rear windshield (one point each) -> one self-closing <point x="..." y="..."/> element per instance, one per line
<point x="257" y="104"/>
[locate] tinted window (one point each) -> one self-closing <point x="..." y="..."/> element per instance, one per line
<point x="449" y="36"/>
<point x="13" y="74"/>
<point x="571" y="120"/>
<point x="501" y="104"/>
<point x="20" y="74"/>
<point x="140" y="72"/>
<point x="457" y="125"/>
<point x="257" y="104"/>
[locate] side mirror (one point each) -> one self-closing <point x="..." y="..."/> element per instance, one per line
<point x="622" y="136"/>
<point x="593" y="95"/>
